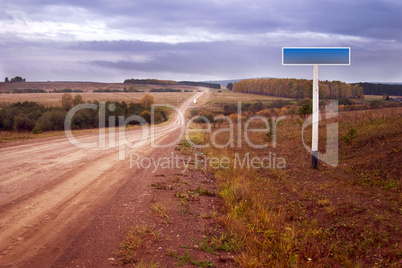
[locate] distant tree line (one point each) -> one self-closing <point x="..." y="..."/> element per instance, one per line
<point x="28" y="90"/>
<point x="380" y="89"/>
<point x="125" y="90"/>
<point x="39" y="90"/>
<point x="150" y="81"/>
<point x="31" y="116"/>
<point x="170" y="82"/>
<point x="14" y="80"/>
<point x="199" y="84"/>
<point x="66" y="90"/>
<point x="164" y="90"/>
<point x="298" y="88"/>
<point x="107" y="90"/>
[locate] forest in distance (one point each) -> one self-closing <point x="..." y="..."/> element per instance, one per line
<point x="279" y="87"/>
<point x="380" y="89"/>
<point x="171" y="82"/>
<point x="298" y="88"/>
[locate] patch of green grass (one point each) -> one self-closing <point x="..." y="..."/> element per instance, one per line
<point x="216" y="243"/>
<point x="142" y="264"/>
<point x="188" y="259"/>
<point x="203" y="191"/>
<point x="211" y="215"/>
<point x="161" y="186"/>
<point x="191" y="195"/>
<point x="227" y="243"/>
<point x="378" y="177"/>
<point x="184" y="197"/>
<point x="186" y="143"/>
<point x="205" y="246"/>
<point x="183" y="208"/>
<point x="179" y="181"/>
<point x="350" y="136"/>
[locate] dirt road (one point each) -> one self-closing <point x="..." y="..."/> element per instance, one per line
<point x="49" y="187"/>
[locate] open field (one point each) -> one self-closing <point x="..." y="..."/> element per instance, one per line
<point x="375" y="97"/>
<point x="54" y="99"/>
<point x="372" y="97"/>
<point x="84" y="86"/>
<point x="225" y="97"/>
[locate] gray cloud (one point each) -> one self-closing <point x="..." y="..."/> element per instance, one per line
<point x="104" y="40"/>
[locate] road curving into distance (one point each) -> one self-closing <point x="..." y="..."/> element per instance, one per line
<point x="49" y="187"/>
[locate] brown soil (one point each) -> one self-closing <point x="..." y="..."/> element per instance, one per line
<point x="66" y="206"/>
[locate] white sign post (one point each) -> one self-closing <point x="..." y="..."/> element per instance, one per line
<point x="315" y="56"/>
<point x="316" y="116"/>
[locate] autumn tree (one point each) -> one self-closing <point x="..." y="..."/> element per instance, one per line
<point x="357" y="91"/>
<point x="66" y="101"/>
<point x="324" y="91"/>
<point x="77" y="100"/>
<point x="147" y="101"/>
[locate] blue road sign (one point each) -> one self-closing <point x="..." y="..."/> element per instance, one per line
<point x="316" y="55"/>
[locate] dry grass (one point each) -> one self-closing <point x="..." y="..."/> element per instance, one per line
<point x="137" y="239"/>
<point x="348" y="216"/>
<point x="159" y="209"/>
<point x="84" y="86"/>
<point x="50" y="86"/>
<point x="212" y="97"/>
<point x="54" y="99"/>
<point x="142" y="264"/>
<point x="372" y="97"/>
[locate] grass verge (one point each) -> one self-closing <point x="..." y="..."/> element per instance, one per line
<point x="347" y="216"/>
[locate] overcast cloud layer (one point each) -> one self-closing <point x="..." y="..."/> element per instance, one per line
<point x="110" y="41"/>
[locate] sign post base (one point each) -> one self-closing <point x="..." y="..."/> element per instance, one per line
<point x="314" y="159"/>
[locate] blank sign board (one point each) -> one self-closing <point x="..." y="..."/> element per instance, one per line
<point x="316" y="55"/>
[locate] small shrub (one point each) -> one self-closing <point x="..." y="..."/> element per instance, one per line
<point x="375" y="104"/>
<point x="345" y="101"/>
<point x="306" y="109"/>
<point x="205" y="118"/>
<point x="350" y="136"/>
<point x="147" y="116"/>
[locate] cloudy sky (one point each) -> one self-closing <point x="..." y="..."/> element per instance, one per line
<point x="109" y="41"/>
